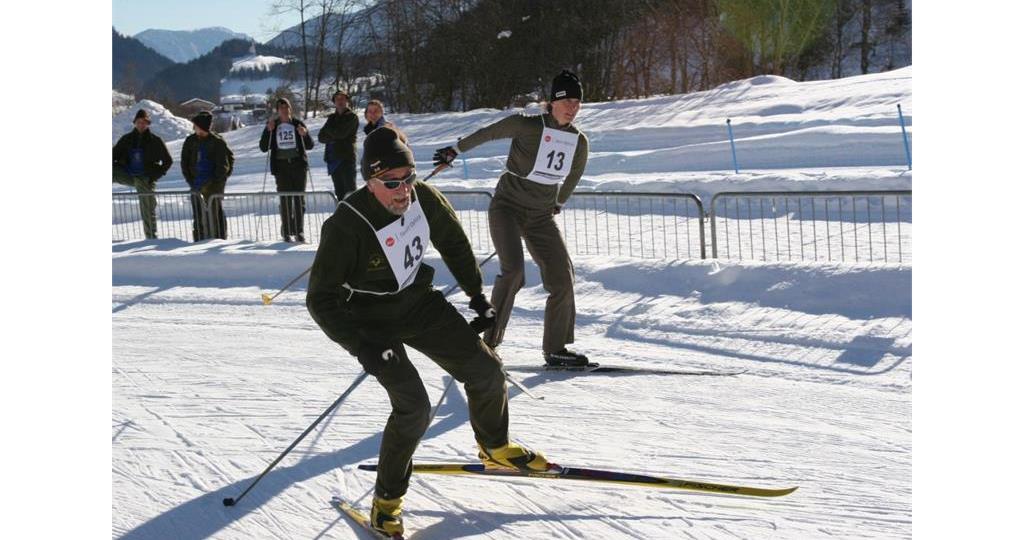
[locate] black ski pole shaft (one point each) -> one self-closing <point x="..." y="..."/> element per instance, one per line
<point x="231" y="501"/>
<point x="267" y="299"/>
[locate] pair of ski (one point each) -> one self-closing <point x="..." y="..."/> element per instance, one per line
<point x="557" y="472"/>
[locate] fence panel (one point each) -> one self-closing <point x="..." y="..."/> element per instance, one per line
<point x="848" y="226"/>
<point x="256" y="215"/>
<point x="471" y="207"/>
<point x="173" y="215"/>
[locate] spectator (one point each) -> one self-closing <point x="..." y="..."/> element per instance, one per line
<point x="374" y="115"/>
<point x="140" y="159"/>
<point x="289" y="164"/>
<point x="206" y="162"/>
<point x="339" y="134"/>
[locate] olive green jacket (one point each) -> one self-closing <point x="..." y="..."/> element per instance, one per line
<point x="350" y="253"/>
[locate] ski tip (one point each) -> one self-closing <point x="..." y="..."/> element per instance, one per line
<point x="368" y="466"/>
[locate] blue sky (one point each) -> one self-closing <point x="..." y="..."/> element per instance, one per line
<point x="249" y="16"/>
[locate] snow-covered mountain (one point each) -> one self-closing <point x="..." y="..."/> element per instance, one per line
<point x="184" y="45"/>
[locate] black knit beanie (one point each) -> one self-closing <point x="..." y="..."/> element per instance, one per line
<point x="204" y="120"/>
<point x="566" y="85"/>
<point x="143" y="115"/>
<point x="383" y="150"/>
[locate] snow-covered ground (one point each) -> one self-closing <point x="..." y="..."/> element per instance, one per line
<point x="209" y="385"/>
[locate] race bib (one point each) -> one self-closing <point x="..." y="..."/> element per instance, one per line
<point x="554" y="157"/>
<point x="404" y="243"/>
<point x="286" y="136"/>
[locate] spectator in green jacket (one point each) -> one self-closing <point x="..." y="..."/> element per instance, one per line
<point x="206" y="163"/>
<point x="140" y="159"/>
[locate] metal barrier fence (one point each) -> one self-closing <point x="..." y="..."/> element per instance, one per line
<point x="258" y="216"/>
<point x="644" y="225"/>
<point x="173" y="215"/>
<point x="850" y="226"/>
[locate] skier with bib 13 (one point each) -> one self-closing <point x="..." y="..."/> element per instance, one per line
<point x="545" y="162"/>
<point x="371" y="293"/>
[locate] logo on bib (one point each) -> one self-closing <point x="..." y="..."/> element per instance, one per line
<point x="547" y="138"/>
<point x="390" y="241"/>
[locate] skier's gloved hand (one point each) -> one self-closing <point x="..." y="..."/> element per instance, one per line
<point x="445" y="155"/>
<point x="484" y="313"/>
<point x="375" y="357"/>
<point x="556" y="210"/>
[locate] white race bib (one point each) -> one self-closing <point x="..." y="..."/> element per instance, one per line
<point x="285" y="136"/>
<point x="554" y="157"/>
<point x="404" y="243"/>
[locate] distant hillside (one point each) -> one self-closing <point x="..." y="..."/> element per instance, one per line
<point x="134" y="64"/>
<point x="202" y="77"/>
<point x="185" y="45"/>
<point x="354" y="25"/>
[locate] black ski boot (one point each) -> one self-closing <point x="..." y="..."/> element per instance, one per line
<point x="565" y="358"/>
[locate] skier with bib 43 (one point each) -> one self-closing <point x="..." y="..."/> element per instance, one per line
<point x="545" y="162"/>
<point x="370" y="292"/>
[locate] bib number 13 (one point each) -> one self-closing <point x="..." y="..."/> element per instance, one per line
<point x="410" y="259"/>
<point x="551" y="160"/>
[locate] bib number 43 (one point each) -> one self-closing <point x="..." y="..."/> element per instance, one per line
<point x="417" y="246"/>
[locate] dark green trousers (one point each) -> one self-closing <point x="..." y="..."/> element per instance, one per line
<point x="423" y="319"/>
<point x="147" y="200"/>
<point x="511" y="225"/>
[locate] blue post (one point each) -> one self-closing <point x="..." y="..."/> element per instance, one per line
<point x="732" y="143"/>
<point x="465" y="169"/>
<point x="906" y="145"/>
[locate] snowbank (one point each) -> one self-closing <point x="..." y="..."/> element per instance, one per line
<point x="256" y="62"/>
<point x="167" y="126"/>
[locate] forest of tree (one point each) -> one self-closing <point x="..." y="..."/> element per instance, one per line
<point x="134" y="63"/>
<point x="459" y="54"/>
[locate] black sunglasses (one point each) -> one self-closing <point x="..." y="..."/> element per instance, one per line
<point x="395" y="184"/>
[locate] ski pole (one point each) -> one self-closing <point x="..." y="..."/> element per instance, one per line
<point x="231" y="501"/>
<point x="732" y="144"/>
<point x="267" y="299"/>
<point x="903" y="127"/>
<point x="433" y="413"/>
<point x="520" y="386"/>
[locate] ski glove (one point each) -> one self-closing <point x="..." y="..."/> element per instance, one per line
<point x="374" y="357"/>
<point x="445" y="156"/>
<point x="556" y="210"/>
<point x="484" y="313"/>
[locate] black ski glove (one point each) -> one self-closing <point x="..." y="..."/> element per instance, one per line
<point x="445" y="155"/>
<point x="556" y="210"/>
<point x="374" y="357"/>
<point x="484" y="313"/>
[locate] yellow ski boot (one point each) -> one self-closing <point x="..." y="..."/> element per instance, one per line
<point x="513" y="456"/>
<point x="386" y="516"/>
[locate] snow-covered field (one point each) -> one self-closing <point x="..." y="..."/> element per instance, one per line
<point x="209" y="385"/>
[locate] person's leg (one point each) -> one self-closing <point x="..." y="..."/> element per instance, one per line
<point x="410" y="413"/>
<point x="198" y="230"/>
<point x="548" y="250"/>
<point x="280" y="180"/>
<point x="443" y="335"/>
<point x="147" y="204"/>
<point x="218" y="221"/>
<point x="301" y="176"/>
<point x="348" y="181"/>
<point x="506" y="235"/>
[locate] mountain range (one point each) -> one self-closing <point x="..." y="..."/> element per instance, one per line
<point x="185" y="45"/>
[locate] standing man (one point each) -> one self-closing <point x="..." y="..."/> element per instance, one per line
<point x="289" y="164"/>
<point x="339" y="134"/>
<point x="140" y="159"/>
<point x="546" y="150"/>
<point x="206" y="162"/>
<point x="370" y="292"/>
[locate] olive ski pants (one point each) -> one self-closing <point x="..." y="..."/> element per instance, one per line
<point x="511" y="225"/>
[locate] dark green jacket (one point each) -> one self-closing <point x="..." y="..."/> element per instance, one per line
<point x="156" y="159"/>
<point x="339" y="134"/>
<point x="223" y="158"/>
<point x="350" y="253"/>
<point x="525" y="132"/>
<point x="268" y="143"/>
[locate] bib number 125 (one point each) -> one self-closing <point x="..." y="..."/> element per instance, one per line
<point x="410" y="259"/>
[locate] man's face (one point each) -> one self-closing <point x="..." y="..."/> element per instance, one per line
<point x="373" y="113"/>
<point x="199" y="131"/>
<point x="395" y="200"/>
<point x="141" y="125"/>
<point x="564" y="110"/>
<point x="340" y="101"/>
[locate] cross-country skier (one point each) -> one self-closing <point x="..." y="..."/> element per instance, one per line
<point x="289" y="165"/>
<point x="371" y="293"/>
<point x="546" y="150"/>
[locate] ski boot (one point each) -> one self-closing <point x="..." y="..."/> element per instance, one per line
<point x="565" y="358"/>
<point x="386" y="516"/>
<point x="513" y="456"/>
